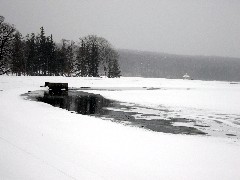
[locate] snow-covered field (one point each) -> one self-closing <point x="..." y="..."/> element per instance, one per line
<point x="39" y="141"/>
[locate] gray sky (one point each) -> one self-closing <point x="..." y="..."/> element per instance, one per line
<point x="194" y="27"/>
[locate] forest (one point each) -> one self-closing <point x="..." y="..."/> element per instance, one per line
<point x="38" y="55"/>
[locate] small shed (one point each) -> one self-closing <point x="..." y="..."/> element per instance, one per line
<point x="186" y="76"/>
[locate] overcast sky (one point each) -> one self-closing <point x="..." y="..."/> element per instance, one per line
<point x="194" y="27"/>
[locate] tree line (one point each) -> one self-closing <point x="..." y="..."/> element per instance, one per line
<point x="39" y="55"/>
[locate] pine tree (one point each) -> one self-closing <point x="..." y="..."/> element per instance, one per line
<point x="115" y="69"/>
<point x="70" y="61"/>
<point x="42" y="55"/>
<point x="113" y="66"/>
<point x="61" y="59"/>
<point x="18" y="62"/>
<point x="6" y="39"/>
<point x="52" y="62"/>
<point x="81" y="60"/>
<point x="93" y="60"/>
<point x="31" y="55"/>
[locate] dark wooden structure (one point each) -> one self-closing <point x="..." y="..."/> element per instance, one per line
<point x="56" y="87"/>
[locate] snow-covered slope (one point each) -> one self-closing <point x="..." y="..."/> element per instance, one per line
<point x="38" y="141"/>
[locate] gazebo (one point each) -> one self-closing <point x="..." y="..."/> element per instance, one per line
<point x="186" y="76"/>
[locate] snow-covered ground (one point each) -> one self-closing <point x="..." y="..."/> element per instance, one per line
<point x="39" y="141"/>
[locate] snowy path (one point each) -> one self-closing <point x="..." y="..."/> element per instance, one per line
<point x="38" y="141"/>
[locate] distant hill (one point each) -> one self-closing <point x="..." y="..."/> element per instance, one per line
<point x="152" y="64"/>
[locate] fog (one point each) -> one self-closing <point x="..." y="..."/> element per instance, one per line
<point x="191" y="27"/>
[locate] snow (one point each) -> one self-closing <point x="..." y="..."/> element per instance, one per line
<point x="38" y="141"/>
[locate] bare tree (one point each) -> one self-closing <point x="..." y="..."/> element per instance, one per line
<point x="6" y="39"/>
<point x="101" y="55"/>
<point x="1" y="19"/>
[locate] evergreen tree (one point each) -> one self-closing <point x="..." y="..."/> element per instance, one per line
<point x="31" y="55"/>
<point x="18" y="62"/>
<point x="81" y="60"/>
<point x="52" y="62"/>
<point x="114" y="70"/>
<point x="93" y="60"/>
<point x="62" y="58"/>
<point x="70" y="60"/>
<point x="42" y="54"/>
<point x="113" y="66"/>
<point x="6" y="39"/>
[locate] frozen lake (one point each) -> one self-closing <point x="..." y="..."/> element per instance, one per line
<point x="39" y="141"/>
<point x="171" y="106"/>
<point x="125" y="113"/>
